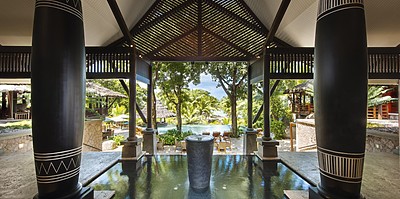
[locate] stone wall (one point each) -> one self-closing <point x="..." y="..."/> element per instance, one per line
<point x="376" y="141"/>
<point x="381" y="141"/>
<point x="16" y="143"/>
<point x="305" y="134"/>
<point x="92" y="135"/>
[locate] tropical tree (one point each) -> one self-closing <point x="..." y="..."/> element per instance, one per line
<point x="202" y="102"/>
<point x="231" y="77"/>
<point x="375" y="96"/>
<point x="173" y="81"/>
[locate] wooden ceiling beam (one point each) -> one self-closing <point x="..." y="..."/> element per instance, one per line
<point x="121" y="22"/>
<point x="121" y="40"/>
<point x="228" y="42"/>
<point x="277" y="21"/>
<point x="236" y="17"/>
<point x="182" y="6"/>
<point x="199" y="28"/>
<point x="151" y="53"/>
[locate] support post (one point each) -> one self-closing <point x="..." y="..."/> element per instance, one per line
<point x="132" y="146"/>
<point x="341" y="61"/>
<point x="58" y="98"/>
<point x="249" y="141"/>
<point x="11" y="104"/>
<point x="266" y="145"/>
<point x="149" y="136"/>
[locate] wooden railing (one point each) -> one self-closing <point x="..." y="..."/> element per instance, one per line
<point x="384" y="63"/>
<point x="286" y="63"/>
<point x="291" y="62"/>
<point x="112" y="62"/>
<point x="100" y="62"/>
<point x="15" y="61"/>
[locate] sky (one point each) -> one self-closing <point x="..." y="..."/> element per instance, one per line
<point x="206" y="83"/>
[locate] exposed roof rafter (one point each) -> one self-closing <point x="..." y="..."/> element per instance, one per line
<point x="227" y="42"/>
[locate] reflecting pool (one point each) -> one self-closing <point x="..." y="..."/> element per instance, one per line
<point x="197" y="128"/>
<point x="166" y="177"/>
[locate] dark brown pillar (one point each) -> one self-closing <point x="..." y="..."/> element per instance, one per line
<point x="250" y="137"/>
<point x="10" y="104"/>
<point x="149" y="137"/>
<point x="3" y="102"/>
<point x="132" y="97"/>
<point x="340" y="96"/>
<point x="58" y="97"/>
<point x="266" y="145"/>
<point x="266" y="78"/>
<point x="249" y="100"/>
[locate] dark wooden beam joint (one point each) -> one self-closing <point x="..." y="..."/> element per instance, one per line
<point x="199" y="28"/>
<point x="120" y="20"/>
<point x="277" y="21"/>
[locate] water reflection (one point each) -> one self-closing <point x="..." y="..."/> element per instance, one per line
<point x="231" y="177"/>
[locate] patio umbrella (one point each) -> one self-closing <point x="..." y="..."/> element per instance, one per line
<point x="15" y="87"/>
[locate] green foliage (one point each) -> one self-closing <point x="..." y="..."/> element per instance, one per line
<point x="279" y="107"/>
<point x="24" y="124"/>
<point x="231" y="77"/>
<point x="118" y="139"/>
<point x="278" y="128"/>
<point x="198" y="107"/>
<point x="373" y="125"/>
<point x="375" y="96"/>
<point x="173" y="81"/>
<point x="118" y="110"/>
<point x="173" y="135"/>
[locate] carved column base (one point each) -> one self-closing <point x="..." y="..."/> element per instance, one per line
<point x="267" y="149"/>
<point x="250" y="142"/>
<point x="149" y="141"/>
<point x="84" y="193"/>
<point x="315" y="193"/>
<point x="132" y="150"/>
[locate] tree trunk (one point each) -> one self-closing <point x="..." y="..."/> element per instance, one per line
<point x="154" y="110"/>
<point x="234" y="116"/>
<point x="179" y="115"/>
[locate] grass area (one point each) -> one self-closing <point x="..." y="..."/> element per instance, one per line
<point x="24" y="124"/>
<point x="373" y="125"/>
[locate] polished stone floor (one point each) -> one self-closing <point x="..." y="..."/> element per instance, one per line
<point x="381" y="178"/>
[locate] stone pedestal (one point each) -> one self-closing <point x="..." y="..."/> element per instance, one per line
<point x="250" y="142"/>
<point x="199" y="153"/>
<point x="149" y="141"/>
<point x="132" y="150"/>
<point x="267" y="149"/>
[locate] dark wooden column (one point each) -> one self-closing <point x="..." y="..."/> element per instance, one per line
<point x="3" y="102"/>
<point x="10" y="104"/>
<point x="250" y="137"/>
<point x="149" y="99"/>
<point x="149" y="137"/>
<point x="249" y="100"/>
<point x="58" y="98"/>
<point x="341" y="65"/>
<point x="266" y="78"/>
<point x="132" y="96"/>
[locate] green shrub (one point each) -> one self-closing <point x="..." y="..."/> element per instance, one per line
<point x="25" y="124"/>
<point x="118" y="139"/>
<point x="278" y="128"/>
<point x="173" y="135"/>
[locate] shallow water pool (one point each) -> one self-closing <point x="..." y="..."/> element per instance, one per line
<point x="166" y="177"/>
